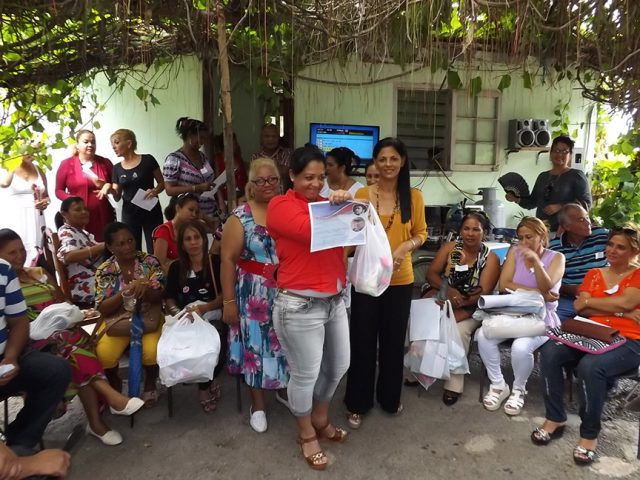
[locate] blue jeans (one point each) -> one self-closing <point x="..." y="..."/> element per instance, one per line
<point x="595" y="372"/>
<point x="565" y="308"/>
<point x="314" y="335"/>
<point x="43" y="378"/>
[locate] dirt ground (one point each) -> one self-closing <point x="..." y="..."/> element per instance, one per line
<point x="428" y="440"/>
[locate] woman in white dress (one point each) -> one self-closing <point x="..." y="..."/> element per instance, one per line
<point x="338" y="169"/>
<point x="27" y="198"/>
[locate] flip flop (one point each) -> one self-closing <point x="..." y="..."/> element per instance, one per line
<point x="150" y="398"/>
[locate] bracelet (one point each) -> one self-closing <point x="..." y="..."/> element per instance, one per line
<point x="193" y="188"/>
<point x="90" y="254"/>
<point x="413" y="243"/>
<point x="231" y="300"/>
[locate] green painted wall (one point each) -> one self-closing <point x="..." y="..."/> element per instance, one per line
<point x="319" y="99"/>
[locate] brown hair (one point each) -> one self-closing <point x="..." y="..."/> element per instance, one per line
<point x="127" y="135"/>
<point x="629" y="230"/>
<point x="537" y="226"/>
<point x="183" y="256"/>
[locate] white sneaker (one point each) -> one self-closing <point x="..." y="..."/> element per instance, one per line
<point x="258" y="421"/>
<point x="514" y="404"/>
<point x="496" y="395"/>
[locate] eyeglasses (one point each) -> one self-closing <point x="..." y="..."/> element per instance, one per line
<point x="261" y="181"/>
<point x="561" y="152"/>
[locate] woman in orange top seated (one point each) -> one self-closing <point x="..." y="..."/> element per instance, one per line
<point x="609" y="295"/>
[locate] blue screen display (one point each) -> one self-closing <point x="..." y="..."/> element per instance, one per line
<point x="359" y="138"/>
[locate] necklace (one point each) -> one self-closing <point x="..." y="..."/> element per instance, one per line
<point x="619" y="274"/>
<point x="393" y="213"/>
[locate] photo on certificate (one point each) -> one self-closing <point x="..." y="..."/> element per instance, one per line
<point x="337" y="225"/>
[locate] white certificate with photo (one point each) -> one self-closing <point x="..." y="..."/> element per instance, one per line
<point x="337" y="225"/>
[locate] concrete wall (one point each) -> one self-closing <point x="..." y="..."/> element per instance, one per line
<point x="331" y="93"/>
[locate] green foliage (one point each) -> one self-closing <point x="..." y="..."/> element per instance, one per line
<point x="562" y="123"/>
<point x="615" y="183"/>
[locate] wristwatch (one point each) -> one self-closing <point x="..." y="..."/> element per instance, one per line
<point x="619" y="314"/>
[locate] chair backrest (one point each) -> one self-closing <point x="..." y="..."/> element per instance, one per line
<point x="53" y="245"/>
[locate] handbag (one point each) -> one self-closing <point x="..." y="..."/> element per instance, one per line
<point x="584" y="344"/>
<point x="590" y="330"/>
<point x="118" y="325"/>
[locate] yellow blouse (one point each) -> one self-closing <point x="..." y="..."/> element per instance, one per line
<point x="402" y="232"/>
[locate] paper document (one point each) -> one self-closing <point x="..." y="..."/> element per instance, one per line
<point x="146" y="203"/>
<point x="424" y="320"/>
<point x="215" y="186"/>
<point x="337" y="225"/>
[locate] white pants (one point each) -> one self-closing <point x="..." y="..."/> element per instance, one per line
<point x="521" y="358"/>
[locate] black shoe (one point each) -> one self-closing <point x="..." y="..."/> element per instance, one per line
<point x="411" y="383"/>
<point x="541" y="437"/>
<point x="449" y="397"/>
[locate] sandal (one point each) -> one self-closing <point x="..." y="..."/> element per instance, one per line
<point x="318" y="460"/>
<point x="215" y="390"/>
<point x="583" y="456"/>
<point x="515" y="402"/>
<point x="150" y="398"/>
<point x="339" y="435"/>
<point x="494" y="398"/>
<point x="541" y="437"/>
<point x="209" y="404"/>
<point x="449" y="397"/>
<point x="354" y="420"/>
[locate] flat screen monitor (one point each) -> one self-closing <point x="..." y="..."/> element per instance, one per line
<point x="359" y="138"/>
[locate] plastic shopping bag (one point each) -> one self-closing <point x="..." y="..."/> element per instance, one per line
<point x="188" y="351"/>
<point x="56" y="317"/>
<point x="457" y="356"/>
<point x="372" y="263"/>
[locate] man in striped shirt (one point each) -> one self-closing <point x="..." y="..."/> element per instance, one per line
<point x="583" y="248"/>
<point x="41" y="376"/>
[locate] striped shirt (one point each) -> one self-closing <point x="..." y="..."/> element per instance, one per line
<point x="180" y="170"/>
<point x="579" y="260"/>
<point x="11" y="300"/>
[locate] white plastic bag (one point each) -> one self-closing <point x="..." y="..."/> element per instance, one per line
<point x="188" y="351"/>
<point x="438" y="359"/>
<point x="56" y="317"/>
<point x="373" y="262"/>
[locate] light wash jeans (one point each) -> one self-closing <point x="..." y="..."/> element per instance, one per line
<point x="314" y="335"/>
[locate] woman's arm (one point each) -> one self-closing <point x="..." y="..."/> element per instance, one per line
<point x="61" y="180"/>
<point x="160" y="248"/>
<point x="437" y="266"/>
<point x="627" y="301"/>
<point x="232" y="245"/>
<point x="81" y="254"/>
<point x="159" y="188"/>
<point x="6" y="179"/>
<point x="508" y="270"/>
<point x="488" y="279"/>
<point x="285" y="221"/>
<point x="547" y="278"/>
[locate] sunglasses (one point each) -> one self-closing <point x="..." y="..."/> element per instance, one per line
<point x="262" y="181"/>
<point x="627" y="231"/>
<point x="186" y="195"/>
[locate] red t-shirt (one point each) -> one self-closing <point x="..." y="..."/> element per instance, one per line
<point x="167" y="233"/>
<point x="289" y="225"/>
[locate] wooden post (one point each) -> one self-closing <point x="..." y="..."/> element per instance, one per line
<point x="225" y="101"/>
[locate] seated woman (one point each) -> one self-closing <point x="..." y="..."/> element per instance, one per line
<point x="128" y="272"/>
<point x="79" y="250"/>
<point x="529" y="266"/>
<point x="609" y="295"/>
<point x="192" y="284"/>
<point x="461" y="272"/>
<point x="88" y="381"/>
<point x="182" y="208"/>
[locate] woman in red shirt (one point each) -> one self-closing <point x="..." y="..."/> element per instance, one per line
<point x="88" y="176"/>
<point x="309" y="314"/>
<point x="609" y="295"/>
<point x="181" y="209"/>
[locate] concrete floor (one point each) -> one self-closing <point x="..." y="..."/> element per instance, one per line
<point x="428" y="440"/>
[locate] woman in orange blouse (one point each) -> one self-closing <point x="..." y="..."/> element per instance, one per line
<point x="609" y="295"/>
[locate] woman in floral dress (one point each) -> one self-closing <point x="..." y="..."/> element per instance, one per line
<point x="248" y="289"/>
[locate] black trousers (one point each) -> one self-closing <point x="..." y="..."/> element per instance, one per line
<point x="378" y="325"/>
<point x="142" y="221"/>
